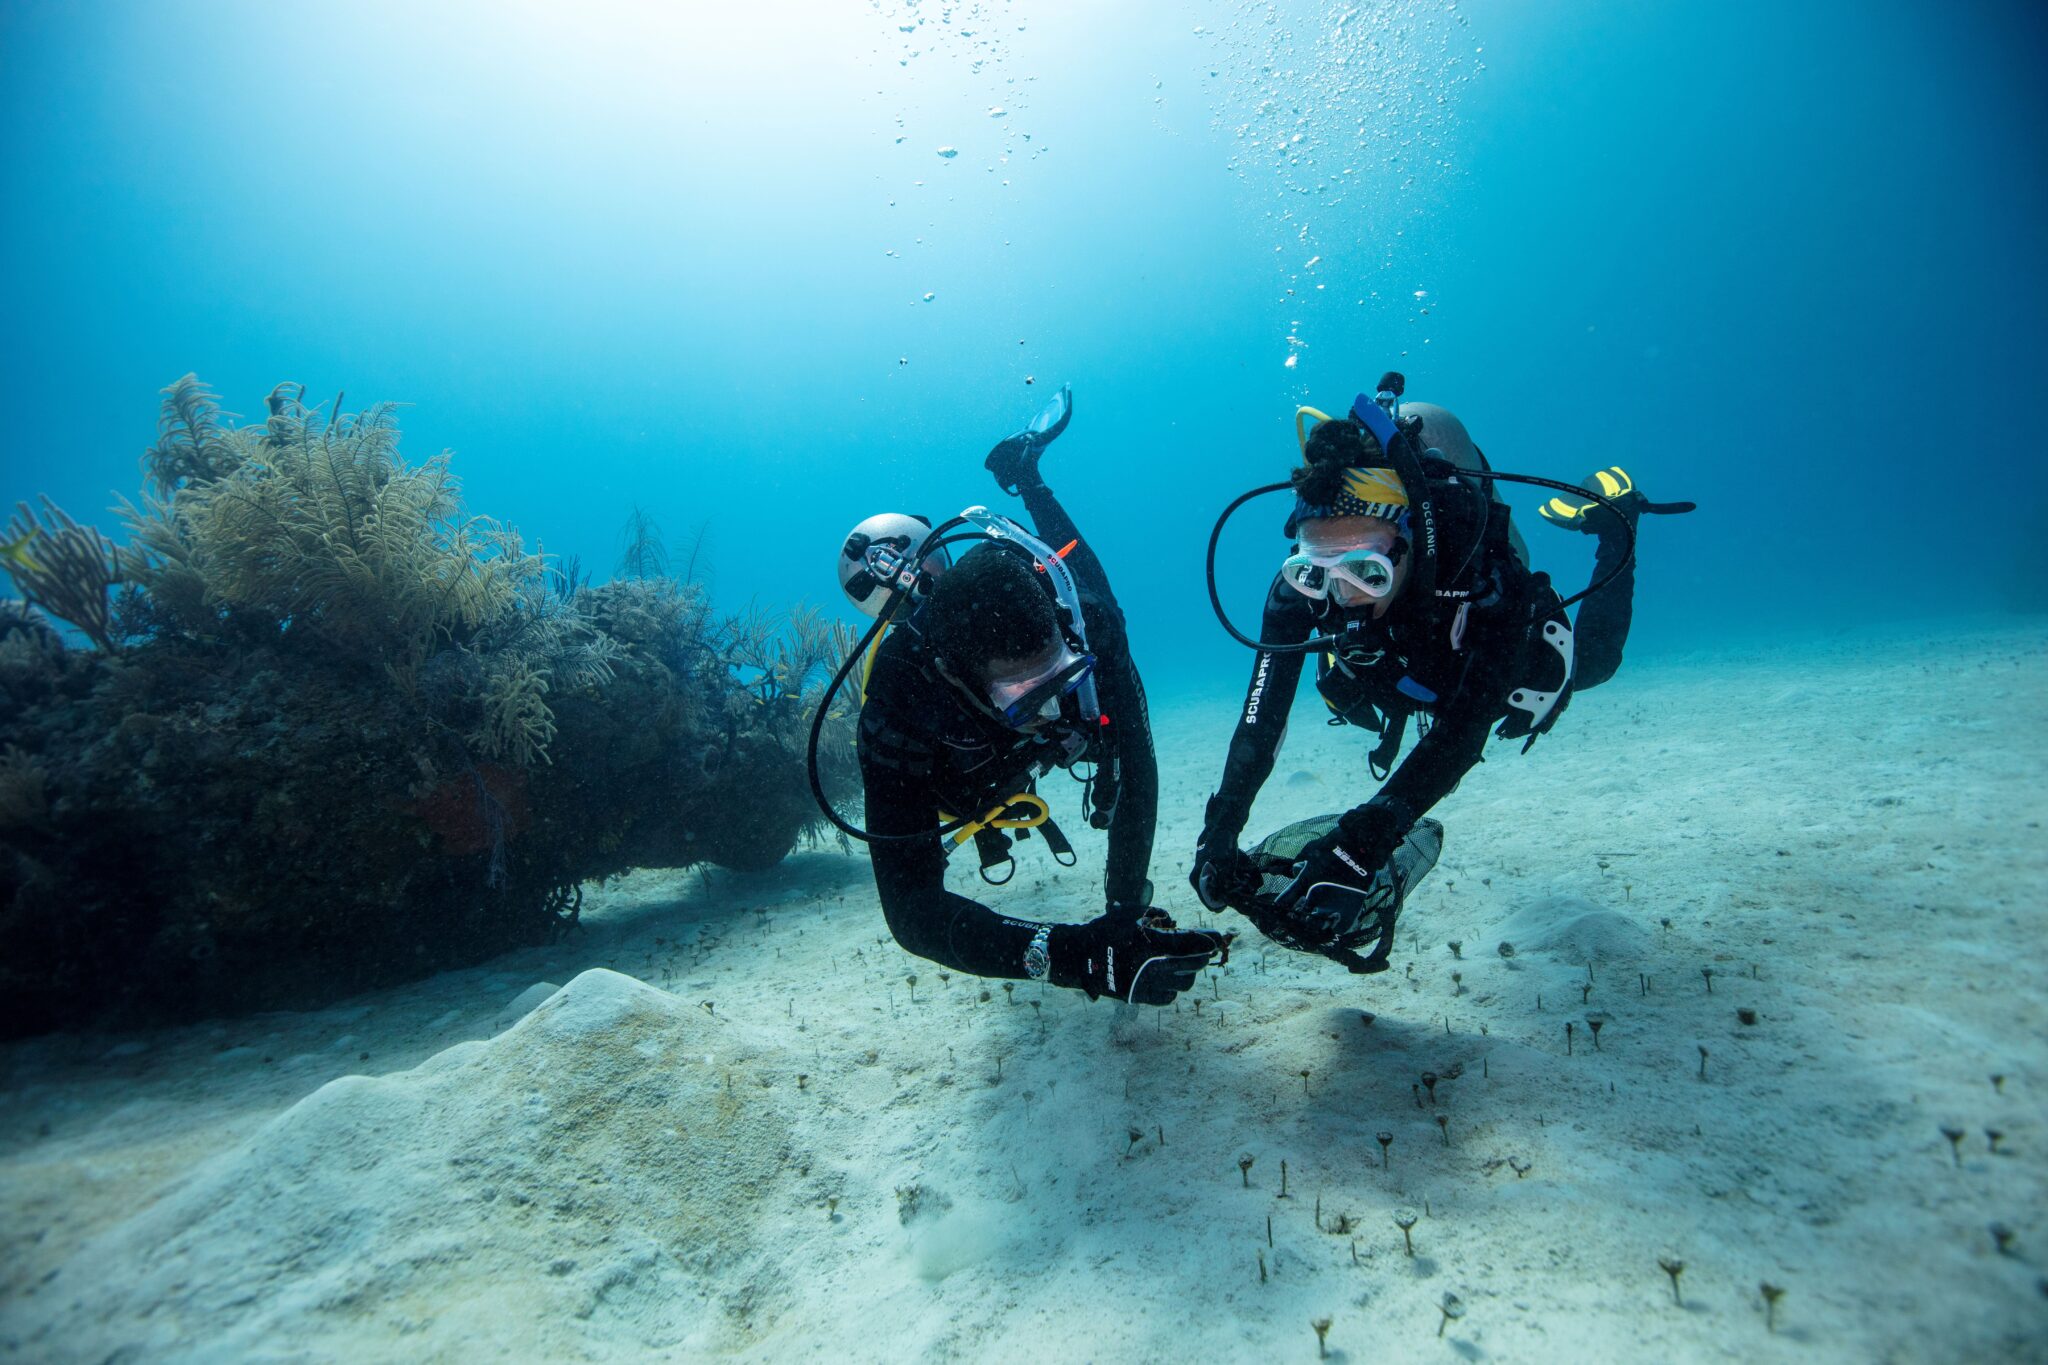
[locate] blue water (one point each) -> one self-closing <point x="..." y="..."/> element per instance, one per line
<point x="1785" y="260"/>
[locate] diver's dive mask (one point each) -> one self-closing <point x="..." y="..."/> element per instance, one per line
<point x="1315" y="570"/>
<point x="1035" y="697"/>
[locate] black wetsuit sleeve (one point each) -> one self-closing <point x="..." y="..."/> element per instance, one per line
<point x="1121" y="694"/>
<point x="1458" y="734"/>
<point x="1435" y="766"/>
<point x="1135" y="821"/>
<point x="910" y="874"/>
<point x="1262" y="722"/>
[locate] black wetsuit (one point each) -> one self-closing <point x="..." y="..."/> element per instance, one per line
<point x="1452" y="660"/>
<point x="924" y="751"/>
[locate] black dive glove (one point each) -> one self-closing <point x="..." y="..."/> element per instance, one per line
<point x="1222" y="871"/>
<point x="1144" y="961"/>
<point x="1350" y="855"/>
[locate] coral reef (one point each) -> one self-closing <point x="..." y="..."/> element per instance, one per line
<point x="353" y="734"/>
<point x="643" y="553"/>
<point x="66" y="569"/>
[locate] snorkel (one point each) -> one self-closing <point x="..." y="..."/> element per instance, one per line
<point x="1418" y="526"/>
<point x="909" y="581"/>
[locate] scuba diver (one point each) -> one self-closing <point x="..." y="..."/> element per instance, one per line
<point x="1410" y="585"/>
<point x="1002" y="666"/>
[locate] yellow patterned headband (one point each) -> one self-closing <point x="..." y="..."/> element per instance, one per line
<point x="1367" y="492"/>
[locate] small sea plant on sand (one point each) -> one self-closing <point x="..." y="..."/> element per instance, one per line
<point x="1772" y="1293"/>
<point x="1673" y="1267"/>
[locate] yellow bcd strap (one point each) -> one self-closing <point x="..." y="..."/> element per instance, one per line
<point x="998" y="816"/>
<point x="867" y="665"/>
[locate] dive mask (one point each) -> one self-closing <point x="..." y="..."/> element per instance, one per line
<point x="1028" y="699"/>
<point x="1314" y="570"/>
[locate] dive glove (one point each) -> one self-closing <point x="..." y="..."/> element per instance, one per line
<point x="1222" y="871"/>
<point x="1143" y="961"/>
<point x="1349" y="856"/>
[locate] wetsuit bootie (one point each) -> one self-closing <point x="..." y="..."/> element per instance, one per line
<point x="1597" y="518"/>
<point x="1014" y="461"/>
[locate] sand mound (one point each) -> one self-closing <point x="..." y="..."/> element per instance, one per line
<point x="588" y="1163"/>
<point x="1574" y="930"/>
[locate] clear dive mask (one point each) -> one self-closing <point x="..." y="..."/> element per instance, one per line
<point x="1316" y="570"/>
<point x="1032" y="698"/>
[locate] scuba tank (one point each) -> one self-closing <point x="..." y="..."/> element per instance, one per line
<point x="882" y="576"/>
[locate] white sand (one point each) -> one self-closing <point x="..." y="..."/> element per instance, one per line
<point x="627" y="1173"/>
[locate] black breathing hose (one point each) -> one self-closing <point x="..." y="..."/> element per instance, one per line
<point x="1316" y="643"/>
<point x="1562" y="487"/>
<point x="930" y="546"/>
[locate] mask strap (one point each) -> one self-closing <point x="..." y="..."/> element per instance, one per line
<point x="997" y="527"/>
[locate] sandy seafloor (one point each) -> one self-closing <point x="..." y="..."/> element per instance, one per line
<point x="736" y="1131"/>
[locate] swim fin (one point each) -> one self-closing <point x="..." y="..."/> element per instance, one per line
<point x="1014" y="461"/>
<point x="1592" y="516"/>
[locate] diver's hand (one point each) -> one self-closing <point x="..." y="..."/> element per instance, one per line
<point x="1350" y="855"/>
<point x="1218" y="860"/>
<point x="1145" y="961"/>
<point x="1223" y="872"/>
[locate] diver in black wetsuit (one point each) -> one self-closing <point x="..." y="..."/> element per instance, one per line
<point x="1012" y="662"/>
<point x="1409" y="577"/>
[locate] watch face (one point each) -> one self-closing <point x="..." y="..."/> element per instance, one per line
<point x="1037" y="961"/>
